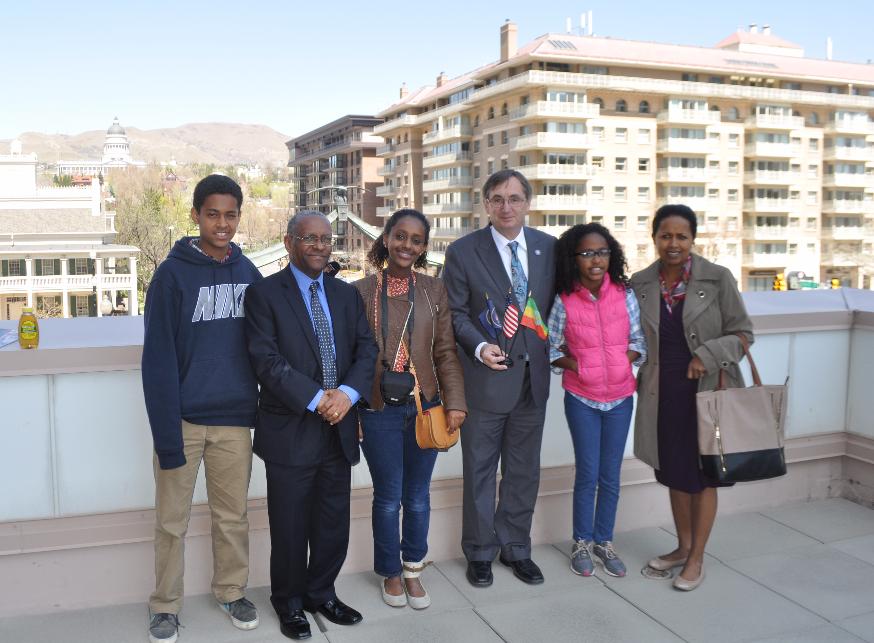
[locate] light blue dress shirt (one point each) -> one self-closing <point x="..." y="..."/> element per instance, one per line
<point x="303" y="283"/>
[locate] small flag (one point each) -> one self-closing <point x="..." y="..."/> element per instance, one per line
<point x="511" y="317"/>
<point x="531" y="318"/>
<point x="490" y="319"/>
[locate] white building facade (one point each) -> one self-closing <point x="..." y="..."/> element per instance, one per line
<point x="57" y="248"/>
<point x="116" y="155"/>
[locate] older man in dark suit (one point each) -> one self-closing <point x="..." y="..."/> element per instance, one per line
<point x="507" y="402"/>
<point x="314" y="356"/>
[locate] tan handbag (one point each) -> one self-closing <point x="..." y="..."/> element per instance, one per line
<point x="432" y="426"/>
<point x="740" y="430"/>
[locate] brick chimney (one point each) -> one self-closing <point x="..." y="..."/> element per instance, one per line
<point x="404" y="91"/>
<point x="442" y="78"/>
<point x="508" y="40"/>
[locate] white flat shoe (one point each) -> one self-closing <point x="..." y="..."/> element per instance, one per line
<point x="662" y="565"/>
<point x="684" y="585"/>
<point x="414" y="570"/>
<point x="393" y="600"/>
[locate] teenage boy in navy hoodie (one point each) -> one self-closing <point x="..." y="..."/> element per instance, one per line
<point x="201" y="396"/>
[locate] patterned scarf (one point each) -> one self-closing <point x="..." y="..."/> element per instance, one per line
<point x="677" y="292"/>
<point x="397" y="287"/>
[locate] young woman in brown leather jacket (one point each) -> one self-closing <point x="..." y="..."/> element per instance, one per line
<point x="410" y="316"/>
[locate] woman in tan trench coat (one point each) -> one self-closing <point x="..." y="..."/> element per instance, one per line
<point x="691" y="313"/>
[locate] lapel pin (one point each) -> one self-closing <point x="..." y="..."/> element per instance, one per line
<point x="537" y="252"/>
<point x="701" y="294"/>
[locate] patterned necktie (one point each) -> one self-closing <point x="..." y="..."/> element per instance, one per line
<point x="323" y="334"/>
<point x="520" y="281"/>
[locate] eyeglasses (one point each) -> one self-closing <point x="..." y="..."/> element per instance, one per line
<point x="515" y="201"/>
<point x="589" y="254"/>
<point x="313" y="239"/>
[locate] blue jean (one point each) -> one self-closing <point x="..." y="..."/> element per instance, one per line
<point x="599" y="444"/>
<point x="401" y="473"/>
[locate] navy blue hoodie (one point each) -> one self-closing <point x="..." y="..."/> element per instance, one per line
<point x="195" y="363"/>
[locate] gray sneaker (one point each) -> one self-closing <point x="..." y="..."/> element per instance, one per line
<point x="581" y="559"/>
<point x="606" y="555"/>
<point x="243" y="614"/>
<point x="163" y="627"/>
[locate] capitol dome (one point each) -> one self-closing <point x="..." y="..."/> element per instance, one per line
<point x="115" y="129"/>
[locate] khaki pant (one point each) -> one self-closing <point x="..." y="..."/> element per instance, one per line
<point x="227" y="454"/>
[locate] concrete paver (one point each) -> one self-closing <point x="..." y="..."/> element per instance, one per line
<point x="825" y="581"/>
<point x="862" y="626"/>
<point x="826" y="520"/>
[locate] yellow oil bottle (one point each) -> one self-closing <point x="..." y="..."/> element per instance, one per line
<point x="28" y="329"/>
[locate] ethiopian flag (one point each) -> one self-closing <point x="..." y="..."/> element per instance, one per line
<point x="531" y="318"/>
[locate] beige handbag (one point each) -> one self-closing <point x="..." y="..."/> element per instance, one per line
<point x="740" y="430"/>
<point x="432" y="426"/>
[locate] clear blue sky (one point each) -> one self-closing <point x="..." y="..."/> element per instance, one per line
<point x="70" y="67"/>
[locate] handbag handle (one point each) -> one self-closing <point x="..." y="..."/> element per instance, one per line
<point x="417" y="395"/>
<point x="757" y="381"/>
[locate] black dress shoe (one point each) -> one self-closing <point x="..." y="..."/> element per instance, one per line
<point x="338" y="612"/>
<point x="479" y="573"/>
<point x="294" y="625"/>
<point x="526" y="570"/>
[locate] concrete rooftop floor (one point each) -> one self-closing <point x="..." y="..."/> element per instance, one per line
<point x="798" y="572"/>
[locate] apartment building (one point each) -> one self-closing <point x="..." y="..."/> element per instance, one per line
<point x="335" y="167"/>
<point x="774" y="151"/>
<point x="57" y="250"/>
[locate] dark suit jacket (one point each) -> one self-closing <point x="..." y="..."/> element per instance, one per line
<point x="473" y="268"/>
<point x="285" y="355"/>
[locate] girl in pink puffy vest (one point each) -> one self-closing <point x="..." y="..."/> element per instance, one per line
<point x="595" y="338"/>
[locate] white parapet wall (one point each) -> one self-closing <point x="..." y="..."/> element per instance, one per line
<point x="76" y="519"/>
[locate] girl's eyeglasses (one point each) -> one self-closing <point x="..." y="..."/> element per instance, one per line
<point x="588" y="254"/>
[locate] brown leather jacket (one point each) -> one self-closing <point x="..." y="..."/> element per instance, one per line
<point x="433" y="350"/>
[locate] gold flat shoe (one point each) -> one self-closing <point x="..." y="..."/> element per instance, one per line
<point x="684" y="585"/>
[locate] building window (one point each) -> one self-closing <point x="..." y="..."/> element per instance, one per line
<point x="643" y="107"/>
<point x="476" y="197"/>
<point x="643" y="165"/>
<point x="598" y="132"/>
<point x="490" y="140"/>
<point x="733" y="140"/>
<point x="621" y="134"/>
<point x="619" y="222"/>
<point x="505" y="137"/>
<point x="732" y="167"/>
<point x="599" y="102"/>
<point x="621" y="163"/>
<point x="491" y="113"/>
<point x="732" y="114"/>
<point x="643" y="136"/>
<point x="490" y="167"/>
<point x="713" y="193"/>
<point x="620" y="194"/>
<point x="811" y="223"/>
<point x="597" y="192"/>
<point x="690" y="78"/>
<point x="476" y="147"/>
<point x="814" y="144"/>
<point x="598" y="162"/>
<point x="812" y="171"/>
<point x="504" y="164"/>
<point x="812" y="198"/>
<point x="81" y="305"/>
<point x="732" y="195"/>
<point x="643" y="197"/>
<point x="476" y="171"/>
<point x="504" y="110"/>
<point x="642" y="250"/>
<point x="621" y="106"/>
<point x="813" y="118"/>
<point x="476" y="121"/>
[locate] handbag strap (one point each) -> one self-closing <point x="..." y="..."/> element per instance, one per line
<point x="757" y="381"/>
<point x="417" y="394"/>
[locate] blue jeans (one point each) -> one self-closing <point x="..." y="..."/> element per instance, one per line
<point x="599" y="444"/>
<point x="401" y="473"/>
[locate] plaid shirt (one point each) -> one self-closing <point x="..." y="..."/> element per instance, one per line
<point x="194" y="242"/>
<point x="636" y="341"/>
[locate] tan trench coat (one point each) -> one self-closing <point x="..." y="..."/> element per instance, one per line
<point x="712" y="315"/>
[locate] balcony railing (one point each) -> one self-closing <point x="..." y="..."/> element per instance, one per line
<point x="385" y="150"/>
<point x="697" y="203"/>
<point x="850" y="126"/>
<point x="771" y="177"/>
<point x="553" y="109"/>
<point x="56" y="283"/>
<point x="849" y="153"/>
<point x="407" y="120"/>
<point x="766" y="260"/>
<point x="448" y="133"/>
<point x="435" y="209"/>
<point x="451" y="183"/>
<point x="451" y="232"/>
<point x="843" y="233"/>
<point x="386" y="170"/>
<point x="386" y="190"/>
<point x="770" y="205"/>
<point x="774" y="121"/>
<point x="775" y="150"/>
<point x="554" y="141"/>
<point x="677" y="145"/>
<point x="544" y="171"/>
<point x="847" y="180"/>
<point x="774" y="232"/>
<point x="689" y="116"/>
<point x="846" y="206"/>
<point x="559" y="202"/>
<point x="447" y="159"/>
<point x="384" y="211"/>
<point x="684" y="174"/>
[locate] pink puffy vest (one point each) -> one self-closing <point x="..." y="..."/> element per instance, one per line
<point x="596" y="334"/>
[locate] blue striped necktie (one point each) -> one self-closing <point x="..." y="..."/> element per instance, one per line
<point x="323" y="334"/>
<point x="520" y="281"/>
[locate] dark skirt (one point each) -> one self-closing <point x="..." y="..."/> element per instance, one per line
<point x="677" y="416"/>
